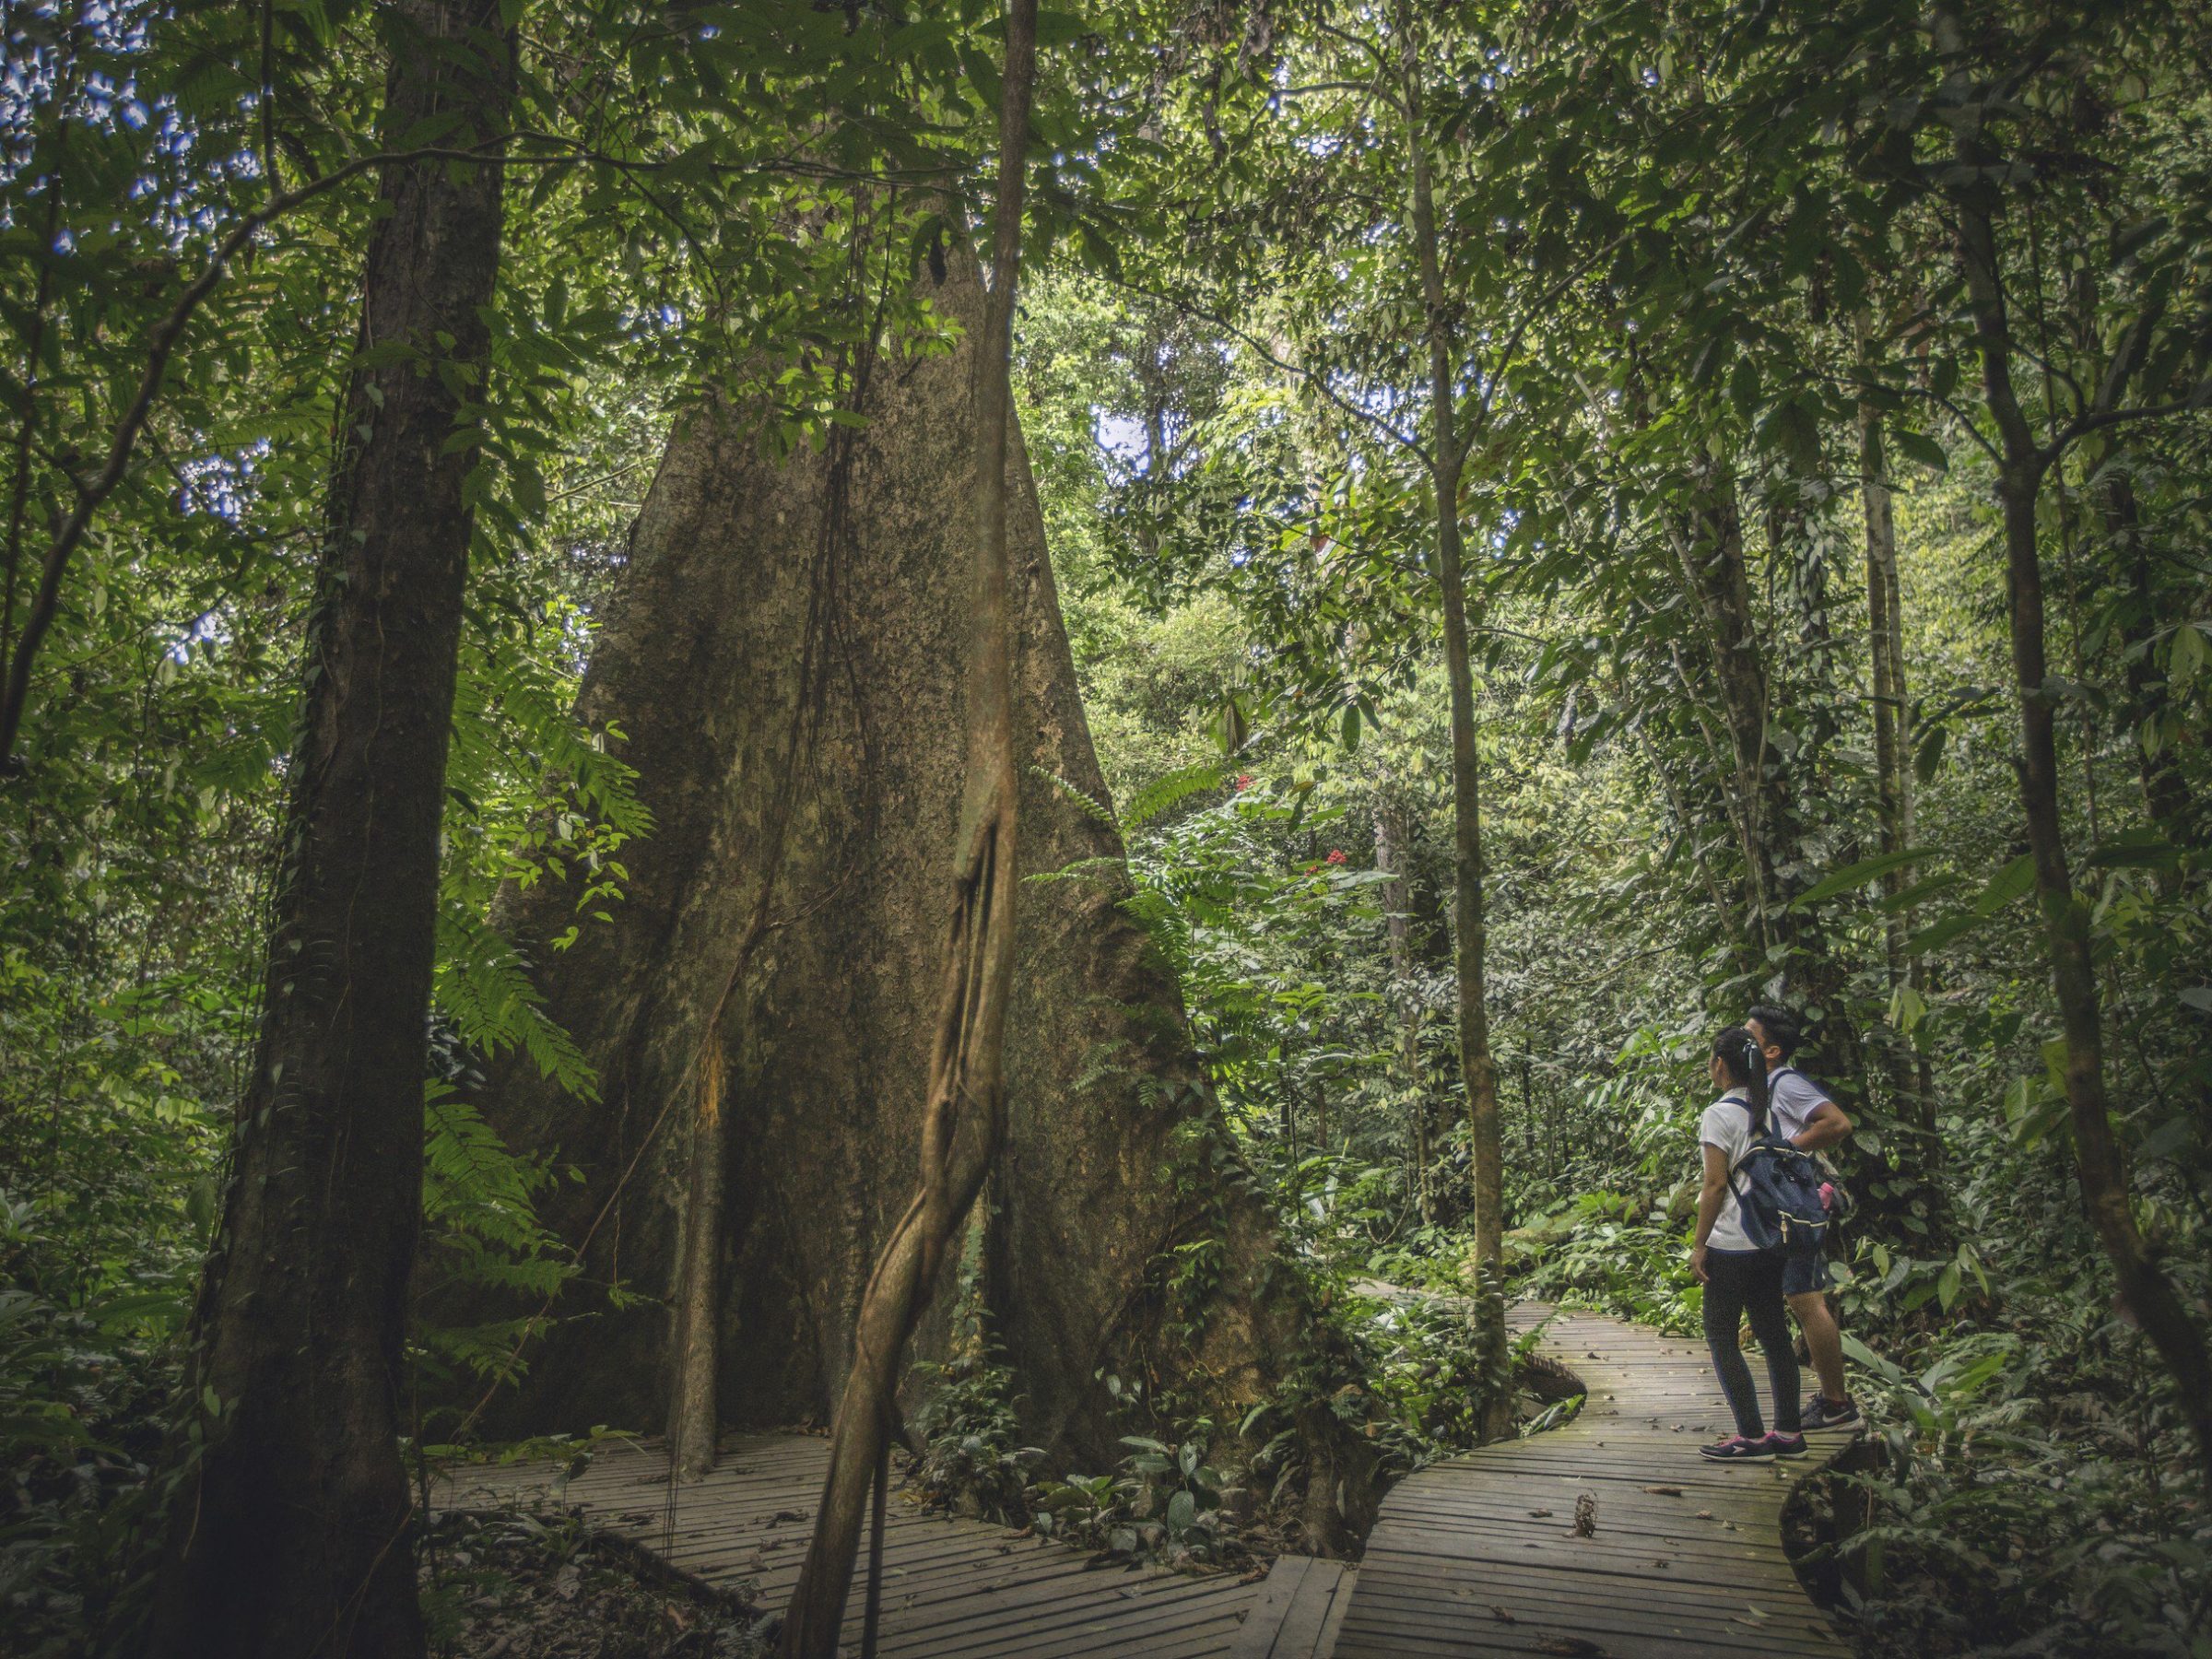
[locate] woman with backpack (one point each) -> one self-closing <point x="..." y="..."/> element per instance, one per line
<point x="1738" y="1257"/>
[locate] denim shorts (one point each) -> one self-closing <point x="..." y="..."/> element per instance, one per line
<point x="1804" y="1271"/>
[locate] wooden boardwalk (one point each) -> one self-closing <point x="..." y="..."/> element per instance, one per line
<point x="1478" y="1556"/>
<point x="1481" y="1555"/>
<point x="951" y="1589"/>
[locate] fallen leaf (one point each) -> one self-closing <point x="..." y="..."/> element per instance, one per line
<point x="1501" y="1616"/>
<point x="1574" y="1645"/>
<point x="1541" y="1514"/>
<point x="1704" y="1515"/>
<point x="1664" y="1491"/>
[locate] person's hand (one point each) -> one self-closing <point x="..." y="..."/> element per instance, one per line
<point x="1697" y="1263"/>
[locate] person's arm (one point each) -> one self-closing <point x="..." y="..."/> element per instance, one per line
<point x="1825" y="1127"/>
<point x="1710" y="1195"/>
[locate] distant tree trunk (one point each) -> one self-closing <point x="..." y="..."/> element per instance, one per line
<point x="2149" y="709"/>
<point x="1709" y="541"/>
<point x="1393" y="858"/>
<point x="2146" y="1291"/>
<point x="291" y="1536"/>
<point x="1909" y="1084"/>
<point x="1447" y="461"/>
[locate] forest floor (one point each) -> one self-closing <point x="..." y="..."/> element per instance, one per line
<point x="519" y="1586"/>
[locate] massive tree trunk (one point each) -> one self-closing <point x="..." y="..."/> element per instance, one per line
<point x="964" y="1113"/>
<point x="291" y="1536"/>
<point x="789" y="646"/>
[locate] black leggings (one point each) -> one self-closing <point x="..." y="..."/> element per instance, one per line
<point x="1748" y="1282"/>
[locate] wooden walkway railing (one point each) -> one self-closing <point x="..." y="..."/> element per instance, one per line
<point x="1478" y="1556"/>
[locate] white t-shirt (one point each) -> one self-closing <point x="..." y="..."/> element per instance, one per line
<point x="1792" y="1098"/>
<point x="1727" y="1124"/>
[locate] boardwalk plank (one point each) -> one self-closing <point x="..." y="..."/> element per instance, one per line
<point x="1458" y="1540"/>
<point x="1454" y="1542"/>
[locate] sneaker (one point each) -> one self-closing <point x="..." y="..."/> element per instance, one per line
<point x="1741" y="1447"/>
<point x="1784" y="1445"/>
<point x="1823" y="1414"/>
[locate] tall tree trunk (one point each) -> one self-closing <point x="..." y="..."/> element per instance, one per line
<point x="291" y="1535"/>
<point x="1709" y="543"/>
<point x="964" y="1122"/>
<point x="2145" y="1288"/>
<point x="1447" y="459"/>
<point x="1892" y="759"/>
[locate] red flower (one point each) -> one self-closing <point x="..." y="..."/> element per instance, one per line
<point x="1335" y="855"/>
<point x="1244" y="782"/>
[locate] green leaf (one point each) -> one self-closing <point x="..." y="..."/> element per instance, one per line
<point x="1928" y="754"/>
<point x="1920" y="447"/>
<point x="2008" y="884"/>
<point x="1183" y="1508"/>
<point x="1858" y="875"/>
<point x="2186" y="656"/>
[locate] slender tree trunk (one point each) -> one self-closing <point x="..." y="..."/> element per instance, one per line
<point x="1711" y="549"/>
<point x="1392" y="846"/>
<point x="2165" y="790"/>
<point x="965" y="1120"/>
<point x="1447" y="460"/>
<point x="2148" y="1295"/>
<point x="291" y="1536"/>
<point x="1892" y="756"/>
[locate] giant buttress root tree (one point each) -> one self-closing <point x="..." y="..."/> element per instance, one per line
<point x="964" y="1113"/>
<point x="786" y="659"/>
<point x="291" y="1535"/>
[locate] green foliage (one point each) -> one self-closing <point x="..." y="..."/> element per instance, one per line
<point x="1166" y="1503"/>
<point x="1701" y="272"/>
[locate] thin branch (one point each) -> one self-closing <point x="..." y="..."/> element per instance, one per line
<point x="1313" y="377"/>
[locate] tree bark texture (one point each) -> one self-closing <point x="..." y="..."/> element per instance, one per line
<point x="964" y="1114"/>
<point x="827" y="594"/>
<point x="291" y="1535"/>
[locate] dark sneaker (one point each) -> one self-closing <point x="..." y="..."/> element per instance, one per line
<point x="1784" y="1445"/>
<point x="1741" y="1447"/>
<point x="1825" y="1414"/>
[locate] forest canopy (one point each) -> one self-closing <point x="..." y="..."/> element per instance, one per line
<point x="1522" y="533"/>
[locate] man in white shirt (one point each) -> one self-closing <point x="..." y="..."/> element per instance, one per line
<point x="1810" y="1121"/>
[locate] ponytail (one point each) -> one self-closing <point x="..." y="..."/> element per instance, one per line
<point x="1746" y="1064"/>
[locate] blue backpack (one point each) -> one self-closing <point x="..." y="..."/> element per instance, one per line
<point x="1779" y="1199"/>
